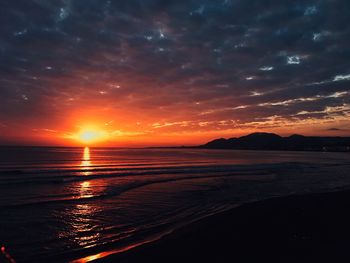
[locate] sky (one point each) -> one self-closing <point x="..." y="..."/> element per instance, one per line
<point x="157" y="72"/>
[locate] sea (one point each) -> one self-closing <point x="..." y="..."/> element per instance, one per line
<point x="62" y="204"/>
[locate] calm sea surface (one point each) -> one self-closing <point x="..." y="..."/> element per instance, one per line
<point x="80" y="204"/>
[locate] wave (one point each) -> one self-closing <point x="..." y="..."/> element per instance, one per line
<point x="68" y="176"/>
<point x="6" y="168"/>
<point x="117" y="190"/>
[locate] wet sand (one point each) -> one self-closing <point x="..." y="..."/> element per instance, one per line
<point x="305" y="228"/>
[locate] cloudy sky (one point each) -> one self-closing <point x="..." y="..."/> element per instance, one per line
<point x="154" y="72"/>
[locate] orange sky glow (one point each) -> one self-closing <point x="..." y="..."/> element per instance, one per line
<point x="142" y="119"/>
<point x="108" y="127"/>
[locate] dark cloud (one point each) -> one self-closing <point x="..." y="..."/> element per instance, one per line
<point x="207" y="59"/>
<point x="336" y="129"/>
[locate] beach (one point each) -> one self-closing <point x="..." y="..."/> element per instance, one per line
<point x="302" y="228"/>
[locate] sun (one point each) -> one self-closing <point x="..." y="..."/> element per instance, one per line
<point x="90" y="136"/>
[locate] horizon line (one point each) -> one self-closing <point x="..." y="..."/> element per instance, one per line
<point x="163" y="146"/>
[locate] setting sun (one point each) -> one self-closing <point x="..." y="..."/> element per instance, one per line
<point x="88" y="136"/>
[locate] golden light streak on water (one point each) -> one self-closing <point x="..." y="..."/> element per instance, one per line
<point x="86" y="162"/>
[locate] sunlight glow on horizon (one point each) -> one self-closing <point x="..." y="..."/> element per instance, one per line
<point x="90" y="135"/>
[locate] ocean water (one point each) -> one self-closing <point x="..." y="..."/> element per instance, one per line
<point x="82" y="204"/>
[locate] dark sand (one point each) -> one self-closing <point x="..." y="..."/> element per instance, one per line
<point x="307" y="228"/>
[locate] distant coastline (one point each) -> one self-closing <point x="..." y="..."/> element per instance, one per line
<point x="254" y="141"/>
<point x="271" y="141"/>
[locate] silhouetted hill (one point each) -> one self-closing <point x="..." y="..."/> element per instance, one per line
<point x="271" y="141"/>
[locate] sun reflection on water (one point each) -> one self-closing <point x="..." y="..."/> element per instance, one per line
<point x="86" y="162"/>
<point x="84" y="217"/>
<point x="85" y="190"/>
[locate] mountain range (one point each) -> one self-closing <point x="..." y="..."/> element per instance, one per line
<point x="271" y="141"/>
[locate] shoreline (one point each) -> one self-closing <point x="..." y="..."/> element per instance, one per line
<point x="297" y="228"/>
